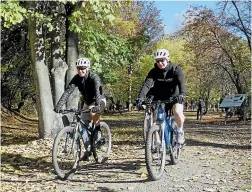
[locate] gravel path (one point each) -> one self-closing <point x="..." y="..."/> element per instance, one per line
<point x="217" y="157"/>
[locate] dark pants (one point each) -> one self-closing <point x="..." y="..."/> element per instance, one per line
<point x="199" y="114"/>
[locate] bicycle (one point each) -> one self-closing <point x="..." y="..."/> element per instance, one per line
<point x="161" y="140"/>
<point x="66" y="153"/>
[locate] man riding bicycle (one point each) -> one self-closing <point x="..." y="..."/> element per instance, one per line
<point x="166" y="81"/>
<point x="89" y="85"/>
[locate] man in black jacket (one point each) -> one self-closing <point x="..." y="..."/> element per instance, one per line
<point x="166" y="81"/>
<point x="89" y="85"/>
<point x="201" y="106"/>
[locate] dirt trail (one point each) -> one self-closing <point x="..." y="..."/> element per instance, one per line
<point x="217" y="157"/>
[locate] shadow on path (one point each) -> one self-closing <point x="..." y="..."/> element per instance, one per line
<point x="192" y="142"/>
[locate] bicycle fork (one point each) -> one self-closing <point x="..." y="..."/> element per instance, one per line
<point x="75" y="137"/>
<point x="159" y="136"/>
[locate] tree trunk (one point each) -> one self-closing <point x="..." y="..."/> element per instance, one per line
<point x="41" y="76"/>
<point x="130" y="69"/>
<point x="71" y="57"/>
<point x="59" y="67"/>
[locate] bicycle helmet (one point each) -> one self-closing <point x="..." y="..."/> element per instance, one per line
<point x="83" y="62"/>
<point x="161" y="53"/>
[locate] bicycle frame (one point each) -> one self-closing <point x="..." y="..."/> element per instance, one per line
<point x="168" y="130"/>
<point x="165" y="123"/>
<point x="78" y="124"/>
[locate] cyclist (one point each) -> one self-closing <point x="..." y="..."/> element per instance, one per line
<point x="89" y="85"/>
<point x="166" y="80"/>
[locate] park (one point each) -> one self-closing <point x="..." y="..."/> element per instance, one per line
<point x="40" y="44"/>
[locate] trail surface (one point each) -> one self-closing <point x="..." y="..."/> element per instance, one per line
<point x="217" y="157"/>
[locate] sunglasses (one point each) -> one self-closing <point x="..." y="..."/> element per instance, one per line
<point x="81" y="68"/>
<point x="160" y="60"/>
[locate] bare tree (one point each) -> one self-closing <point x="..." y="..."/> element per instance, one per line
<point x="236" y="17"/>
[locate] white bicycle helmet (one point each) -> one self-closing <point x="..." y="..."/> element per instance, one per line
<point x="82" y="62"/>
<point x="162" y="53"/>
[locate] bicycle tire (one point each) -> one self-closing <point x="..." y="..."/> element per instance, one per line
<point x="102" y="148"/>
<point x="148" y="122"/>
<point x="175" y="151"/>
<point x="67" y="167"/>
<point x="161" y="153"/>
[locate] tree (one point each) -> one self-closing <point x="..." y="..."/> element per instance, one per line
<point x="236" y="17"/>
<point x="58" y="66"/>
<point x="40" y="24"/>
<point x="89" y="29"/>
<point x="16" y="73"/>
<point x="208" y="40"/>
<point x="41" y="73"/>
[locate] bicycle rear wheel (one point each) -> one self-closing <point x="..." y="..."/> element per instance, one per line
<point x="102" y="147"/>
<point x="66" y="152"/>
<point x="155" y="154"/>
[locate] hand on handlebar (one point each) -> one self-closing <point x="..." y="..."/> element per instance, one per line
<point x="139" y="103"/>
<point x="95" y="109"/>
<point x="180" y="99"/>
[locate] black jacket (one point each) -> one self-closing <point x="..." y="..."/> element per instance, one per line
<point x="201" y="104"/>
<point x="89" y="86"/>
<point x="164" y="83"/>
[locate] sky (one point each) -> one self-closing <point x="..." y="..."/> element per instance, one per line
<point x="172" y="12"/>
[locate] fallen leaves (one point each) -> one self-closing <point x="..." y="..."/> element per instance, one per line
<point x="211" y="161"/>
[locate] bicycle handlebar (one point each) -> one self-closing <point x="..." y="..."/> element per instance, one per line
<point x="64" y="111"/>
<point x="148" y="102"/>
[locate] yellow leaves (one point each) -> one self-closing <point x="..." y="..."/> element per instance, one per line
<point x="7" y="168"/>
<point x="144" y="175"/>
<point x="19" y="172"/>
<point x="222" y="164"/>
<point x="77" y="13"/>
<point x="12" y="13"/>
<point x="110" y="18"/>
<point x="6" y="188"/>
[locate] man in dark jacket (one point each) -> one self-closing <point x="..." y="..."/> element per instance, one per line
<point x="89" y="85"/>
<point x="166" y="81"/>
<point x="201" y="106"/>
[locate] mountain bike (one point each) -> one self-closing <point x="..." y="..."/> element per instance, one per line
<point x="69" y="142"/>
<point x="161" y="140"/>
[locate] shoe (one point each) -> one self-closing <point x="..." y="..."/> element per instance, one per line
<point x="97" y="136"/>
<point x="168" y="149"/>
<point x="86" y="156"/>
<point x="180" y="138"/>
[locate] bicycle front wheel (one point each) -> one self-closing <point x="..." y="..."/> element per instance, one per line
<point x="102" y="146"/>
<point x="66" y="152"/>
<point x="155" y="153"/>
